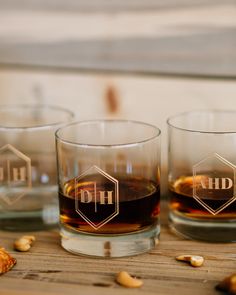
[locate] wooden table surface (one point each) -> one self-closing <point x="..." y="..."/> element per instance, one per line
<point x="48" y="269"/>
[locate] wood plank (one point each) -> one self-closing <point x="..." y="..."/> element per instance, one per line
<point x="196" y="39"/>
<point x="106" y="6"/>
<point x="48" y="269"/>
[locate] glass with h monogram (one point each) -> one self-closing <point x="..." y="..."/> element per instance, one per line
<point x="109" y="187"/>
<point x="202" y="159"/>
<point x="28" y="186"/>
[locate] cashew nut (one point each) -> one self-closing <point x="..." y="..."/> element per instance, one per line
<point x="194" y="260"/>
<point x="124" y="279"/>
<point x="228" y="284"/>
<point x="24" y="243"/>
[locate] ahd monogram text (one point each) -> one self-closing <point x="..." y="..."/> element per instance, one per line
<point x="222" y="183"/>
<point x="218" y="183"/>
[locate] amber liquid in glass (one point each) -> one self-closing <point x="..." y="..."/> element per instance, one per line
<point x="182" y="201"/>
<point x="139" y="205"/>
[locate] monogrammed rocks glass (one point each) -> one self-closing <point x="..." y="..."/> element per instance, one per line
<point x="28" y="186"/>
<point x="109" y="187"/>
<point x="202" y="159"/>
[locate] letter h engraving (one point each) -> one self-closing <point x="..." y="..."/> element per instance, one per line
<point x="12" y="174"/>
<point x="15" y="170"/>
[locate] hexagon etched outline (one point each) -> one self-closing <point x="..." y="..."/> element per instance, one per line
<point x="27" y="160"/>
<point x="199" y="200"/>
<point x="116" y="183"/>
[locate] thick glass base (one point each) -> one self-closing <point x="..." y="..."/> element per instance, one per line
<point x="36" y="210"/>
<point x="205" y="230"/>
<point x="29" y="221"/>
<point x="109" y="245"/>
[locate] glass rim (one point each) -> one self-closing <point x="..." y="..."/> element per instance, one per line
<point x="195" y="130"/>
<point x="49" y="107"/>
<point x="78" y="144"/>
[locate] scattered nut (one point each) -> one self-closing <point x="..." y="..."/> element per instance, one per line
<point x="124" y="279"/>
<point x="194" y="260"/>
<point x="6" y="261"/>
<point x="228" y="284"/>
<point x="24" y="243"/>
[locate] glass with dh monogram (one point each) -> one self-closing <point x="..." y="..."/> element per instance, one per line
<point x="109" y="187"/>
<point x="28" y="182"/>
<point x="202" y="159"/>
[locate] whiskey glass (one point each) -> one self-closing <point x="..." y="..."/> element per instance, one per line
<point x="28" y="178"/>
<point x="202" y="159"/>
<point x="109" y="187"/>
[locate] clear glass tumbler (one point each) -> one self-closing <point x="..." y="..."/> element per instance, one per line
<point x="109" y="187"/>
<point x="202" y="159"/>
<point x="28" y="178"/>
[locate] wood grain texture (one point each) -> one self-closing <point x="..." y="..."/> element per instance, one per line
<point x="106" y="6"/>
<point x="47" y="269"/>
<point x="155" y="37"/>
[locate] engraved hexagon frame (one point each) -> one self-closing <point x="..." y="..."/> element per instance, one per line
<point x="198" y="199"/>
<point x="116" y="184"/>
